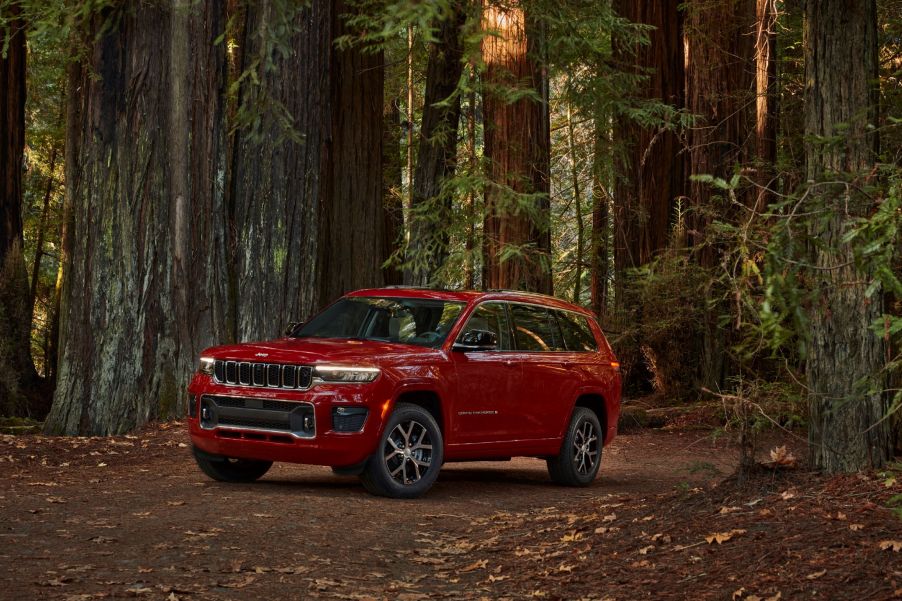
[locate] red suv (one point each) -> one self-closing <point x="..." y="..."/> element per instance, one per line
<point x="390" y="383"/>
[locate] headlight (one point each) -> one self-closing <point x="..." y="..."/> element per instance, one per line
<point x="345" y="373"/>
<point x="206" y="365"/>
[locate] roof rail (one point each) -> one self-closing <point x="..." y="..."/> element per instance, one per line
<point x="524" y="292"/>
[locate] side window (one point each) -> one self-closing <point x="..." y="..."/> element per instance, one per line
<point x="534" y="329"/>
<point x="493" y="318"/>
<point x="577" y="334"/>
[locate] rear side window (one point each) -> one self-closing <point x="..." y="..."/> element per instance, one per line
<point x="535" y="329"/>
<point x="577" y="334"/>
<point x="491" y="317"/>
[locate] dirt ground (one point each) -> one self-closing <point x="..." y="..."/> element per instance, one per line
<point x="131" y="516"/>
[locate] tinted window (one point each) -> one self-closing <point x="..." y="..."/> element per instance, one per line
<point x="577" y="334"/>
<point x="424" y="322"/>
<point x="534" y="329"/>
<point x="491" y="317"/>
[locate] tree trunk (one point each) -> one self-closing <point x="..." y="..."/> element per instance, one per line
<point x="720" y="93"/>
<point x="766" y="100"/>
<point x="17" y="373"/>
<point x="845" y="431"/>
<point x="720" y="85"/>
<point x="516" y="232"/>
<point x="600" y="257"/>
<point x="578" y="206"/>
<point x="140" y="221"/>
<point x="430" y="210"/>
<point x="392" y="183"/>
<point x="309" y="214"/>
<point x="649" y="164"/>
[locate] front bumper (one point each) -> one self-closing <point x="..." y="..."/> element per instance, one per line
<point x="252" y="427"/>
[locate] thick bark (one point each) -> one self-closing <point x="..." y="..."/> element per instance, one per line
<point x="720" y="76"/>
<point x="309" y="216"/>
<point x="437" y="156"/>
<point x="517" y="146"/>
<point x="140" y="216"/>
<point x="720" y="83"/>
<point x="18" y="373"/>
<point x="845" y="432"/>
<point x="650" y="169"/>
<point x="766" y="100"/>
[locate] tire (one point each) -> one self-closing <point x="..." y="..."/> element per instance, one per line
<point x="227" y="469"/>
<point x="408" y="457"/>
<point x="577" y="463"/>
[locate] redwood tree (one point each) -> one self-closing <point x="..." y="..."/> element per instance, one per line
<point x="308" y="189"/>
<point x="649" y="158"/>
<point x="846" y="432"/>
<point x="516" y="234"/>
<point x="17" y="372"/>
<point x="437" y="156"/>
<point x="720" y="84"/>
<point x="140" y="225"/>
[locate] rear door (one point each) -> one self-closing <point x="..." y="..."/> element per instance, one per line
<point x="549" y="385"/>
<point x="488" y="382"/>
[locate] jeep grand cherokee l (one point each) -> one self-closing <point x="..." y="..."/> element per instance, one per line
<point x="390" y="383"/>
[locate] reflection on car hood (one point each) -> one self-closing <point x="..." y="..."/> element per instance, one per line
<point x="318" y="350"/>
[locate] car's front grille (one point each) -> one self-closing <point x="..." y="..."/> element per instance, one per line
<point x="257" y="414"/>
<point x="263" y="375"/>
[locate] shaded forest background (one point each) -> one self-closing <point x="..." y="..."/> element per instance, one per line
<point x="718" y="180"/>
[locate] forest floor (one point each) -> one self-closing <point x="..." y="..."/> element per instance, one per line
<point x="131" y="516"/>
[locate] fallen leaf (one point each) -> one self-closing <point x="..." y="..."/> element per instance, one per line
<point x="175" y="503"/>
<point x="840" y="516"/>
<point x="722" y="537"/>
<point x="786" y="495"/>
<point x="476" y="565"/>
<point x="493" y="578"/>
<point x="645" y="550"/>
<point x="239" y="582"/>
<point x="895" y="545"/>
<point x="725" y="510"/>
<point x="780" y="456"/>
<point x="609" y="518"/>
<point x="572" y="537"/>
<point x="855" y="527"/>
<point x="565" y="568"/>
<point x="816" y="575"/>
<point x="737" y="594"/>
<point x="101" y="464"/>
<point x="601" y="530"/>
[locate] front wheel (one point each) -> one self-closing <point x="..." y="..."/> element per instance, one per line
<point x="228" y="469"/>
<point x="409" y="456"/>
<point x="577" y="463"/>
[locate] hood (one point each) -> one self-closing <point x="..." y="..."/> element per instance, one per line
<point x="318" y="350"/>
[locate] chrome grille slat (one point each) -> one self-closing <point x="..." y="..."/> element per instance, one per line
<point x="263" y="375"/>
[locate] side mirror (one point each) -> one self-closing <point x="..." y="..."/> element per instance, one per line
<point x="292" y="326"/>
<point x="476" y="340"/>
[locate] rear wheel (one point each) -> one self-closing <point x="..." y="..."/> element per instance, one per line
<point x="229" y="469"/>
<point x="577" y="463"/>
<point x="409" y="456"/>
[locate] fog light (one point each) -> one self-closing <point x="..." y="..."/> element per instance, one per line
<point x="348" y="419"/>
<point x="308" y="422"/>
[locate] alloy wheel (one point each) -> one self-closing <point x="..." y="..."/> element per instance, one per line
<point x="585" y="448"/>
<point x="408" y="452"/>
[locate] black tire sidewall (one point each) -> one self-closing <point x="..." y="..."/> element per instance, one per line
<point x="566" y="469"/>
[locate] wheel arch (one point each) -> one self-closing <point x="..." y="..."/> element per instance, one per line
<point x="595" y="402"/>
<point x="426" y="398"/>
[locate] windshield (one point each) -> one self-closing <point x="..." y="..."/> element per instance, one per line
<point x="405" y="320"/>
